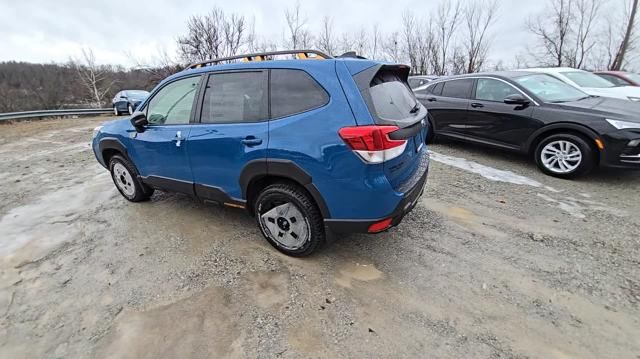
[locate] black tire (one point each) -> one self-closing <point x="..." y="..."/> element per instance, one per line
<point x="135" y="191"/>
<point x="588" y="152"/>
<point x="130" y="109"/>
<point x="283" y="193"/>
<point x="116" y="111"/>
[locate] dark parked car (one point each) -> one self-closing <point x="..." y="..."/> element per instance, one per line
<point x="417" y="81"/>
<point x="567" y="131"/>
<point x="620" y="78"/>
<point x="126" y="101"/>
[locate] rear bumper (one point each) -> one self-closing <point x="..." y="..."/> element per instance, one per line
<point x="408" y="202"/>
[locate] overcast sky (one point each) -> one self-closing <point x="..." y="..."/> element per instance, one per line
<point x="54" y="30"/>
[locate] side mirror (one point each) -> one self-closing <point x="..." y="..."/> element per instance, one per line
<point x="139" y="121"/>
<point x="516" y="99"/>
<point x="123" y="97"/>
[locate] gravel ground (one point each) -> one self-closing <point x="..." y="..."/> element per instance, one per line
<point x="496" y="261"/>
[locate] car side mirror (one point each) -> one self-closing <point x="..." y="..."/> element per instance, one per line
<point x="123" y="97"/>
<point x="516" y="99"/>
<point x="139" y="121"/>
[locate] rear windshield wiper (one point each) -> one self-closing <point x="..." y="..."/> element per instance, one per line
<point x="415" y="108"/>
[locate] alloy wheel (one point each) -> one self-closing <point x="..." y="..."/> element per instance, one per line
<point x="285" y="224"/>
<point x="130" y="108"/>
<point x="561" y="156"/>
<point x="115" y="110"/>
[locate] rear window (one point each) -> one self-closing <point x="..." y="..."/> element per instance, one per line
<point x="391" y="97"/>
<point x="294" y="91"/>
<point x="457" y="88"/>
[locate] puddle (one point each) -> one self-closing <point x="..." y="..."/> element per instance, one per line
<point x="204" y="325"/>
<point x="359" y="272"/>
<point x="35" y="228"/>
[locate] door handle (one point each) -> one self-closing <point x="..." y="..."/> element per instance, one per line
<point x="251" y="141"/>
<point x="477" y="105"/>
<point x="178" y="138"/>
<point x="432" y="99"/>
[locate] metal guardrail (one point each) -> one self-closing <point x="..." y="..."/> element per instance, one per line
<point x="51" y="113"/>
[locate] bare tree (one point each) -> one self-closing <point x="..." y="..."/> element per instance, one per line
<point x="446" y="22"/>
<point x="375" y="41"/>
<point x="627" y="41"/>
<point x="347" y="43"/>
<point x="326" y="39"/>
<point x="585" y="15"/>
<point x="296" y="23"/>
<point x="213" y="35"/>
<point x="409" y="39"/>
<point x="552" y="29"/>
<point x="392" y="47"/>
<point x="478" y="17"/>
<point x="93" y="77"/>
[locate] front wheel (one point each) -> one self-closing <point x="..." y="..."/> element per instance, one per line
<point x="115" y="110"/>
<point x="565" y="156"/>
<point x="130" y="108"/>
<point x="125" y="177"/>
<point x="289" y="219"/>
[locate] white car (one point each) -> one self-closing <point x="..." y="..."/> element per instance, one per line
<point x="590" y="83"/>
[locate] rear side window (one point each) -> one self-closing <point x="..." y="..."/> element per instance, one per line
<point x="236" y="97"/>
<point x="391" y="97"/>
<point x="437" y="89"/>
<point x="614" y="79"/>
<point x="294" y="91"/>
<point x="457" y="88"/>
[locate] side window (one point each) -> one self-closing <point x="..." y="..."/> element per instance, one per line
<point x="172" y="104"/>
<point x="614" y="79"/>
<point x="457" y="88"/>
<point x="236" y="97"/>
<point x="294" y="91"/>
<point x="437" y="88"/>
<point x="493" y="90"/>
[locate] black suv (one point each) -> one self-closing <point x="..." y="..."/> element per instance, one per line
<point x="567" y="131"/>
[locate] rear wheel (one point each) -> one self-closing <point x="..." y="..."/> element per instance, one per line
<point x="289" y="219"/>
<point x="125" y="177"/>
<point x="565" y="156"/>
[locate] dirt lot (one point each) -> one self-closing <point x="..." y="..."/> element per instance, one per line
<point x="497" y="260"/>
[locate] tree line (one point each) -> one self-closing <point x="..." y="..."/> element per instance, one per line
<point x="455" y="38"/>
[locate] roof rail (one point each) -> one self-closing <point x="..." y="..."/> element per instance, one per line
<point x="263" y="56"/>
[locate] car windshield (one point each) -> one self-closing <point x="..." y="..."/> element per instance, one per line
<point x="137" y="93"/>
<point x="587" y="79"/>
<point x="550" y="89"/>
<point x="634" y="77"/>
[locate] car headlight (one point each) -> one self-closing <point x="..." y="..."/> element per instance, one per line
<point x="635" y="99"/>
<point x="96" y="131"/>
<point x="621" y="125"/>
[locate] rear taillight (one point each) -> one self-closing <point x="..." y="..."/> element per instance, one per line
<point x="372" y="143"/>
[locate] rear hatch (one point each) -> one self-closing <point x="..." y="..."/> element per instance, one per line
<point x="392" y="103"/>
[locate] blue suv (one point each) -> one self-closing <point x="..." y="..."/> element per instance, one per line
<point x="311" y="145"/>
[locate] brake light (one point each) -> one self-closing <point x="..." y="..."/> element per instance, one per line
<point x="372" y="143"/>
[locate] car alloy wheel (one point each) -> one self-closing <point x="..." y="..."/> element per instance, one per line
<point x="561" y="156"/>
<point x="285" y="224"/>
<point x="130" y="108"/>
<point x="115" y="110"/>
<point x="124" y="180"/>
